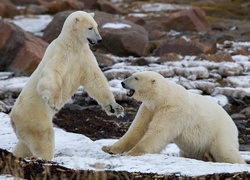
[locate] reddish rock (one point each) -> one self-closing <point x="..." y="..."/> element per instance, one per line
<point x="90" y="4"/>
<point x="108" y="7"/>
<point x="58" y="6"/>
<point x="25" y="2"/>
<point x="35" y="9"/>
<point x="20" y="51"/>
<point x="136" y="20"/>
<point x="8" y="9"/>
<point x="182" y="47"/>
<point x="29" y="56"/>
<point x="218" y="57"/>
<point x="193" y="19"/>
<point x="129" y="40"/>
<point x="12" y="39"/>
<point x="169" y="57"/>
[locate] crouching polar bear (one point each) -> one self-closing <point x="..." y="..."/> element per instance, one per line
<point x="67" y="63"/>
<point x="199" y="127"/>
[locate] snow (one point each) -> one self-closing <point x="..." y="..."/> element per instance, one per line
<point x="161" y="7"/>
<point x="33" y="23"/>
<point x="116" y="25"/>
<point x="77" y="151"/>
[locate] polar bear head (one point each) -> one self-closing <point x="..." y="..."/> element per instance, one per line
<point x="144" y="86"/>
<point x="81" y="26"/>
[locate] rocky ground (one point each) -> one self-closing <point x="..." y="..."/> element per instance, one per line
<point x="191" y="28"/>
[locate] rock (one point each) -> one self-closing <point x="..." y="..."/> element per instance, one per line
<point x="11" y="41"/>
<point x="54" y="28"/>
<point x="56" y="6"/>
<point x="29" y="56"/>
<point x="169" y="57"/>
<point x="26" y="2"/>
<point x="8" y="9"/>
<point x="238" y="116"/>
<point x="218" y="57"/>
<point x="246" y="111"/>
<point x="136" y="20"/>
<point x="192" y="73"/>
<point x="4" y="108"/>
<point x="35" y="9"/>
<point x="239" y="93"/>
<point x="92" y="5"/>
<point x="193" y="19"/>
<point x="20" y="51"/>
<point x="230" y="69"/>
<point x="109" y="7"/>
<point x="181" y="46"/>
<point x="204" y="86"/>
<point x="121" y="37"/>
<point x="140" y="62"/>
<point x="103" y="60"/>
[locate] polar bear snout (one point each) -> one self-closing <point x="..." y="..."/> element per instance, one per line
<point x="94" y="41"/>
<point x="130" y="92"/>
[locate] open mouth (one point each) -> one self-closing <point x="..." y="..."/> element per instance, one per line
<point x="130" y="92"/>
<point x="90" y="42"/>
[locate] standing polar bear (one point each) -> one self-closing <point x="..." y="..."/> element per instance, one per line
<point x="67" y="63"/>
<point x="199" y="127"/>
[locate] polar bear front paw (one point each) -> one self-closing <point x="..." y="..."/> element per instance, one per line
<point x="115" y="109"/>
<point x="111" y="150"/>
<point x="54" y="106"/>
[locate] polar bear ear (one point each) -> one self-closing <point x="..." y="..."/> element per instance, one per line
<point x="153" y="81"/>
<point x="92" y="14"/>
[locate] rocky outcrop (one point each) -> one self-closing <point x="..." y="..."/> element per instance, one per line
<point x="20" y="51"/>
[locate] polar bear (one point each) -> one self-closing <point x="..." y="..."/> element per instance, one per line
<point x="169" y="113"/>
<point x="67" y="64"/>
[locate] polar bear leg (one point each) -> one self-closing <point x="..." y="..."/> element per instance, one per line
<point x="50" y="91"/>
<point x="22" y="150"/>
<point x="43" y="146"/>
<point x="221" y="152"/>
<point x="159" y="134"/>
<point x="39" y="144"/>
<point x="133" y="135"/>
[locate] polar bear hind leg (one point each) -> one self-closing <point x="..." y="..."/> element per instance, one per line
<point x="226" y="152"/>
<point x="22" y="150"/>
<point x="38" y="144"/>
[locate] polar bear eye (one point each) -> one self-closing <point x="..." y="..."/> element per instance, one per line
<point x="90" y="28"/>
<point x="136" y="78"/>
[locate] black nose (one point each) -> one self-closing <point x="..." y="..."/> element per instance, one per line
<point x="99" y="41"/>
<point x="123" y="84"/>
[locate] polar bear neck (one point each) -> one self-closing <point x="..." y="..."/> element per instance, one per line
<point x="72" y="42"/>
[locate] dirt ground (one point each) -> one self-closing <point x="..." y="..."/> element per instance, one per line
<point x="93" y="122"/>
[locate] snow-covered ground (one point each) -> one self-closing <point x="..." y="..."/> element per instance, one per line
<point x="76" y="151"/>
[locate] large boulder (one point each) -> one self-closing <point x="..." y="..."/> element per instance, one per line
<point x="11" y="41"/>
<point x="20" y="51"/>
<point x="8" y="9"/>
<point x="29" y="56"/>
<point x="122" y="37"/>
<point x="184" y="47"/>
<point x="193" y="19"/>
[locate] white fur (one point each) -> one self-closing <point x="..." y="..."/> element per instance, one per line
<point x="67" y="63"/>
<point x="169" y="113"/>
